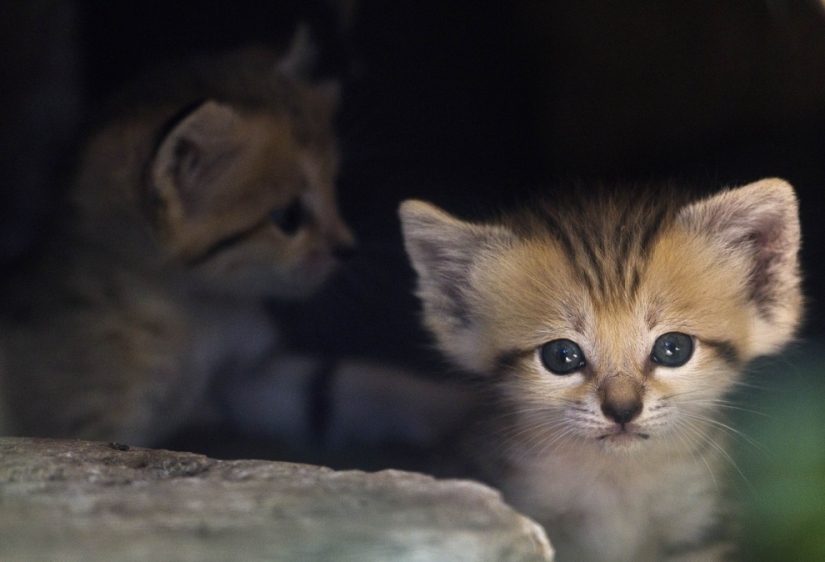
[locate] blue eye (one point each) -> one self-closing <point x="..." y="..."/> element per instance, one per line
<point x="290" y="218"/>
<point x="673" y="349"/>
<point x="562" y="357"/>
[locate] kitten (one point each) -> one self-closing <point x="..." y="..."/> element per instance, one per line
<point x="610" y="333"/>
<point x="207" y="188"/>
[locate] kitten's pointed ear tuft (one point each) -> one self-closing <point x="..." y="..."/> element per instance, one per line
<point x="444" y="252"/>
<point x="443" y="248"/>
<point x="299" y="62"/>
<point x="433" y="240"/>
<point x="192" y="157"/>
<point x="423" y="223"/>
<point x="758" y="225"/>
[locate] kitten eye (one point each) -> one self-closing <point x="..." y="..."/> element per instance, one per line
<point x="673" y="349"/>
<point x="562" y="357"/>
<point x="290" y="218"/>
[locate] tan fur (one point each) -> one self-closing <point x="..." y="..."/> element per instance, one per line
<point x="154" y="285"/>
<point x="613" y="276"/>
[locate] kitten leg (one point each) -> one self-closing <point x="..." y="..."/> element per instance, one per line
<point x="304" y="399"/>
<point x="373" y="403"/>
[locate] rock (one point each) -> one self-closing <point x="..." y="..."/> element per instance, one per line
<point x="86" y="502"/>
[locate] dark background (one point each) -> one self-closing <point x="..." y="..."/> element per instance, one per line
<point x="473" y="105"/>
<point x="476" y="106"/>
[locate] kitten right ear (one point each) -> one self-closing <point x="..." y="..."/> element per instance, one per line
<point x="299" y="62"/>
<point x="444" y="252"/>
<point x="757" y="225"/>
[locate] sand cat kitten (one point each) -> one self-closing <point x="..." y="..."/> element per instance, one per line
<point x="611" y="332"/>
<point x="208" y="187"/>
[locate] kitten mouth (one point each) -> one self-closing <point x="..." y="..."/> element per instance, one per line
<point x="623" y="435"/>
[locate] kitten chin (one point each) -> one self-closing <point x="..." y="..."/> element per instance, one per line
<point x="611" y="333"/>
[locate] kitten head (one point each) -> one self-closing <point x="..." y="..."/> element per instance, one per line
<point x="231" y="162"/>
<point x="618" y="322"/>
<point x="247" y="202"/>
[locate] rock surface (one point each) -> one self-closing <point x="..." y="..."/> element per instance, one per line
<point x="83" y="501"/>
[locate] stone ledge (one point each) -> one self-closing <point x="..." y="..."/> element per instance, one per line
<point x="85" y="501"/>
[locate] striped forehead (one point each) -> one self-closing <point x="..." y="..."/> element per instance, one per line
<point x="606" y="243"/>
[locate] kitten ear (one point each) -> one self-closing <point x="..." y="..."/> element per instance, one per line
<point x="444" y="252"/>
<point x="299" y="62"/>
<point x="193" y="157"/>
<point x="758" y="225"/>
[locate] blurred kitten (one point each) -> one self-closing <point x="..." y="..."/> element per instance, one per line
<point x="207" y="187"/>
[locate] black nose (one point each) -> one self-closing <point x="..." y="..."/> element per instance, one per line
<point x="622" y="412"/>
<point x="344" y="252"/>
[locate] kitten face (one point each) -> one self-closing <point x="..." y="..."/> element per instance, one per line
<point x="592" y="365"/>
<point x="247" y="204"/>
<point x="611" y="325"/>
<point x="237" y="188"/>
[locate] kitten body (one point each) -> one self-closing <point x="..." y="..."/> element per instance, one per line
<point x="610" y="334"/>
<point x="207" y="188"/>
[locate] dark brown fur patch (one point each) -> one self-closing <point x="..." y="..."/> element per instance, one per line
<point x="508" y="360"/>
<point x="223" y="244"/>
<point x="726" y="351"/>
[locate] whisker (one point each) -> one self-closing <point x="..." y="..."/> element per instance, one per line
<point x="689" y="447"/>
<point x="730" y="430"/>
<point x="564" y="434"/>
<point x="721" y="450"/>
<point x="536" y="425"/>
<point x="723" y="404"/>
<point x="681" y="431"/>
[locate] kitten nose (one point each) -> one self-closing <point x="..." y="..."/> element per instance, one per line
<point x="622" y="412"/>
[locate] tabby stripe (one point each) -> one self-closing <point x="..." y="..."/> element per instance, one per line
<point x="726" y="351"/>
<point x="636" y="281"/>
<point x="626" y="237"/>
<point x="596" y="267"/>
<point x="652" y="230"/>
<point x="224" y="244"/>
<point x="563" y="237"/>
<point x="507" y="360"/>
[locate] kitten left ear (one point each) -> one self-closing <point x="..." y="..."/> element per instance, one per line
<point x="299" y="62"/>
<point x="758" y="224"/>
<point x="444" y="252"/>
<point x="193" y="157"/>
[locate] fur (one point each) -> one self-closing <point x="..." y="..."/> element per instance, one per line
<point x="624" y="459"/>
